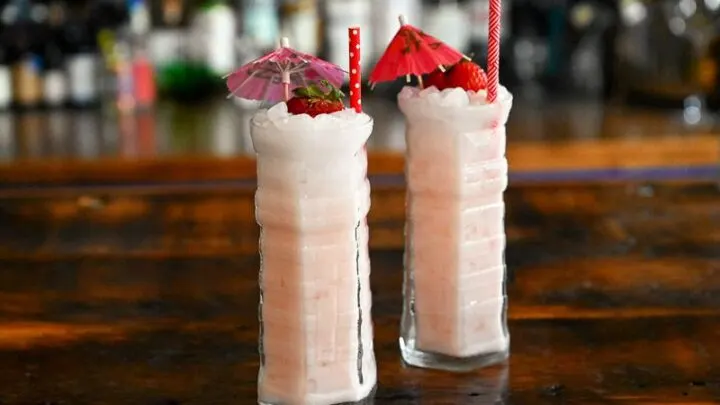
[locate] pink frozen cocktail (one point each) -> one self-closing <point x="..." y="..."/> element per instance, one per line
<point x="454" y="308"/>
<point x="311" y="203"/>
<point x="312" y="200"/>
<point x="454" y="313"/>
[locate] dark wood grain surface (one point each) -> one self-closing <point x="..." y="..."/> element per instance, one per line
<point x="150" y="298"/>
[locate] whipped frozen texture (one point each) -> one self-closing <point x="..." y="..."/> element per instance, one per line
<point x="277" y="132"/>
<point x="279" y="117"/>
<point x="454" y="103"/>
<point x="456" y="174"/>
<point x="312" y="200"/>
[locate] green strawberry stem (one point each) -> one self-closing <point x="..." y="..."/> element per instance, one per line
<point x="315" y="91"/>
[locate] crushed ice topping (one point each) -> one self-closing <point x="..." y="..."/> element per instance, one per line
<point x="450" y="97"/>
<point x="454" y="105"/>
<point x="277" y="132"/>
<point x="279" y="117"/>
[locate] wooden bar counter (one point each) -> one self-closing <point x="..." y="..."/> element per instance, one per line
<point x="128" y="269"/>
<point x="614" y="291"/>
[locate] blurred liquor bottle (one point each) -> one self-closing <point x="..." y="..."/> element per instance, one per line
<point x="208" y="52"/>
<point x="122" y="70"/>
<point x="6" y="95"/>
<point x="55" y="83"/>
<point x="166" y="39"/>
<point x="140" y="63"/>
<point x="27" y="46"/>
<point x="83" y="64"/>
<point x="385" y="21"/>
<point x="339" y="15"/>
<point x="300" y="22"/>
<point x="590" y="43"/>
<point x="259" y="26"/>
<point x="212" y="36"/>
<point x="710" y="75"/>
<point x="528" y="49"/>
<point x="27" y="77"/>
<point x="6" y="58"/>
<point x="449" y="22"/>
<point x="663" y="53"/>
<point x="181" y="75"/>
<point x="111" y="19"/>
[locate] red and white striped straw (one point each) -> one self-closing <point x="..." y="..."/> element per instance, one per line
<point x="493" y="56"/>
<point x="354" y="69"/>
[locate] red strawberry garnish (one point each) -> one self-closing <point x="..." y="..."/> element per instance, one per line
<point x="313" y="100"/>
<point x="467" y="75"/>
<point x="437" y="78"/>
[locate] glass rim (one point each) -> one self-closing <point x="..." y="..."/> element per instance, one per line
<point x="504" y="98"/>
<point x="367" y="121"/>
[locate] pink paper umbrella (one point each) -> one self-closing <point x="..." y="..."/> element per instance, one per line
<point x="273" y="76"/>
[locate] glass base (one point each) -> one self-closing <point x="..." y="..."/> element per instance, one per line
<point x="419" y="358"/>
<point x="368" y="400"/>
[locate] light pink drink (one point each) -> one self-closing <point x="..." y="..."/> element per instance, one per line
<point x="454" y="313"/>
<point x="315" y="311"/>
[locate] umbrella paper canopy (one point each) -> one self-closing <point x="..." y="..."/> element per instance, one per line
<point x="412" y="52"/>
<point x="273" y="76"/>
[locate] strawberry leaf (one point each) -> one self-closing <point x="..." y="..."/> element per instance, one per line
<point x="301" y="92"/>
<point x="322" y="90"/>
<point x="315" y="91"/>
<point x="311" y="91"/>
<point x="335" y="94"/>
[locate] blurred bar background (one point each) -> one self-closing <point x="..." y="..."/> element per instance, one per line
<point x="128" y="237"/>
<point x="142" y="79"/>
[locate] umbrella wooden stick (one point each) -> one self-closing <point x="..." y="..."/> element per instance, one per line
<point x="401" y="19"/>
<point x="285" y="43"/>
<point x="286" y="85"/>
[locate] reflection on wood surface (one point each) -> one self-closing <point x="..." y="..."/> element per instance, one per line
<point x="211" y="142"/>
<point x="151" y="331"/>
<point x="605" y="154"/>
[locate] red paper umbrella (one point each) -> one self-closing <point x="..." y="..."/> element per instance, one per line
<point x="412" y="52"/>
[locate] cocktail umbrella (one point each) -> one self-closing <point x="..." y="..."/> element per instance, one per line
<point x="412" y="53"/>
<point x="274" y="76"/>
